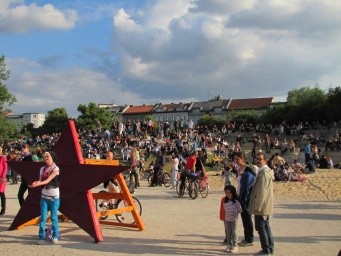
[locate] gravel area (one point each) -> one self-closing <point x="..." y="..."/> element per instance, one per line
<point x="303" y="224"/>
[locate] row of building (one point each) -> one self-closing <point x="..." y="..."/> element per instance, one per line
<point x="162" y="113"/>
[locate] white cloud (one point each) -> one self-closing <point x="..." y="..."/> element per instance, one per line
<point x="174" y="50"/>
<point x="41" y="91"/>
<point x="236" y="48"/>
<point x="21" y="18"/>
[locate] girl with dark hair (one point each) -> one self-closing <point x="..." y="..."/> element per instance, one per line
<point x="229" y="211"/>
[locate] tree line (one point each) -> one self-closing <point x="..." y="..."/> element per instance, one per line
<point x="306" y="104"/>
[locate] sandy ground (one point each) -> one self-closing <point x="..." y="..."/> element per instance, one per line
<point x="307" y="221"/>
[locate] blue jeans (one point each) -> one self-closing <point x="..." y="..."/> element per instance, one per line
<point x="45" y="206"/>
<point x="265" y="236"/>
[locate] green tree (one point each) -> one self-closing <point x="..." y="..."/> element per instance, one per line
<point x="55" y="121"/>
<point x="243" y="117"/>
<point x="210" y="121"/>
<point x="306" y="104"/>
<point x="93" y="117"/>
<point x="333" y="105"/>
<point x="306" y="96"/>
<point x="6" y="99"/>
<point x="8" y="129"/>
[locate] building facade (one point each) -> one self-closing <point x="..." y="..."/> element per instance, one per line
<point x="37" y="119"/>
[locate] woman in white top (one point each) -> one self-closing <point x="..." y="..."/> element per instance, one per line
<point x="175" y="168"/>
<point x="49" y="178"/>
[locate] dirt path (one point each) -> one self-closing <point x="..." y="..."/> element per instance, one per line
<point x="183" y="226"/>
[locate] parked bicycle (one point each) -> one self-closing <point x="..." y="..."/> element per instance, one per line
<point x="103" y="205"/>
<point x="163" y="178"/>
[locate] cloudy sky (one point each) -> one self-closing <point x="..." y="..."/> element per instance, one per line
<point x="65" y="53"/>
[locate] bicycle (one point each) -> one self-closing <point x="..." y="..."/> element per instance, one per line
<point x="162" y="178"/>
<point x="203" y="186"/>
<point x="104" y="205"/>
<point x="191" y="185"/>
<point x="194" y="185"/>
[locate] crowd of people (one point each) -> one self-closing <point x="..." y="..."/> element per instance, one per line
<point x="187" y="149"/>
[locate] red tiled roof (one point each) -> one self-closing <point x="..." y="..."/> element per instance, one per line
<point x="252" y="103"/>
<point x="139" y="109"/>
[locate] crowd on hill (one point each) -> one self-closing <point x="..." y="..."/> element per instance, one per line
<point x="122" y="137"/>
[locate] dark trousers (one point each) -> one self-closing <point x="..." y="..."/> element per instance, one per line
<point x="3" y="202"/>
<point x="22" y="189"/>
<point x="155" y="177"/>
<point x="306" y="157"/>
<point x="134" y="173"/>
<point x="182" y="179"/>
<point x="247" y="225"/>
<point x="265" y="235"/>
<point x="14" y="177"/>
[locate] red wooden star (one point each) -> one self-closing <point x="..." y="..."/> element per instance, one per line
<point x="76" y="181"/>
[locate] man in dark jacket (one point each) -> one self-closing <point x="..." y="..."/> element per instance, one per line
<point x="26" y="156"/>
<point x="158" y="166"/>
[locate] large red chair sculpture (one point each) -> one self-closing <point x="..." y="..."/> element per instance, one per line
<point x="77" y="180"/>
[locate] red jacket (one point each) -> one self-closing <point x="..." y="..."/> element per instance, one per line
<point x="3" y="172"/>
<point x="222" y="209"/>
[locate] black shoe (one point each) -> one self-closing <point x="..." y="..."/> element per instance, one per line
<point x="2" y="213"/>
<point x="151" y="185"/>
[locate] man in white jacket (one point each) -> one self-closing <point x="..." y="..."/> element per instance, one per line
<point x="261" y="204"/>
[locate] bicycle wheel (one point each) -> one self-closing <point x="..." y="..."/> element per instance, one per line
<point x="127" y="217"/>
<point x="167" y="181"/>
<point x="102" y="205"/>
<point x="150" y="178"/>
<point x="193" y="189"/>
<point x="203" y="188"/>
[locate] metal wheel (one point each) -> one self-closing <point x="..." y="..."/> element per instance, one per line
<point x="193" y="189"/>
<point x="102" y="206"/>
<point x="167" y="181"/>
<point x="203" y="187"/>
<point x="150" y="178"/>
<point x="127" y="217"/>
<point x="179" y="191"/>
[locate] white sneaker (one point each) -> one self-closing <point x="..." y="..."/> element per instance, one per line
<point x="54" y="241"/>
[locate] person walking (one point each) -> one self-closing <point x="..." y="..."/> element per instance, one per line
<point x="134" y="165"/>
<point x="3" y="172"/>
<point x="261" y="204"/>
<point x="175" y="168"/>
<point x="49" y="179"/>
